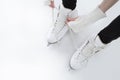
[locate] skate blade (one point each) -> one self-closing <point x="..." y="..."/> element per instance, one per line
<point x="54" y="42"/>
<point x="70" y="68"/>
<point x="51" y="44"/>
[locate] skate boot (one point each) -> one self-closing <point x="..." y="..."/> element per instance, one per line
<point x="60" y="27"/>
<point x="87" y="50"/>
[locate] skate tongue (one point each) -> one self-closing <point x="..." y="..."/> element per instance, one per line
<point x="92" y="48"/>
<point x="98" y="42"/>
<point x="73" y="14"/>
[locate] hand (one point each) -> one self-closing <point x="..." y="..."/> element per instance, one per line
<point x="52" y="5"/>
<point x="70" y="19"/>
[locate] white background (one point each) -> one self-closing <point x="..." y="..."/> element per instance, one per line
<point x="23" y="52"/>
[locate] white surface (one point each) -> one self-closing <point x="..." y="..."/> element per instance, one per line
<point x="25" y="56"/>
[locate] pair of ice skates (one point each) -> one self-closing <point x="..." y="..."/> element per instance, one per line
<point x="84" y="52"/>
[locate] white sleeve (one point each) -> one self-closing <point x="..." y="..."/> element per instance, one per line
<point x="83" y="22"/>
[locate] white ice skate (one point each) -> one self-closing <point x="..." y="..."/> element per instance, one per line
<point x="60" y="27"/>
<point x="87" y="50"/>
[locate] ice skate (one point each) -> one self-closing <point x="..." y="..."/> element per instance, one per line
<point x="80" y="58"/>
<point x="60" y="28"/>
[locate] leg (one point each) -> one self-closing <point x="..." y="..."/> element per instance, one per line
<point x="90" y="48"/>
<point x="111" y="32"/>
<point x="70" y="4"/>
<point x="60" y="28"/>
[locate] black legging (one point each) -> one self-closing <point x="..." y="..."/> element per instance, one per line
<point x="111" y="32"/>
<point x="70" y="4"/>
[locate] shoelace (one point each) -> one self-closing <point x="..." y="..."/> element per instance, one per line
<point x="57" y="22"/>
<point x="56" y="19"/>
<point x="95" y="49"/>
